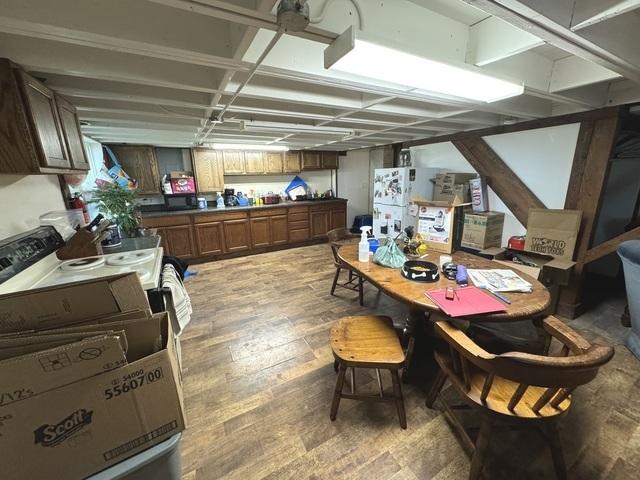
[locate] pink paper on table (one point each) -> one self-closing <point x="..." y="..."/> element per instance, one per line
<point x="467" y="301"/>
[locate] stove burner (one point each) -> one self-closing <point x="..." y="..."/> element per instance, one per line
<point x="82" y="264"/>
<point x="129" y="258"/>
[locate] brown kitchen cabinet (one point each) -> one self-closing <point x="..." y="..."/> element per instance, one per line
<point x="209" y="238"/>
<point x="233" y="162"/>
<point x="260" y="232"/>
<point x="279" y="230"/>
<point x="274" y="162"/>
<point x="338" y="217"/>
<point x="311" y="160"/>
<point x="72" y="134"/>
<point x="330" y="160"/>
<point x="178" y="241"/>
<point x="237" y="235"/>
<point x="141" y="164"/>
<point x="207" y="167"/>
<point x="292" y="162"/>
<point x="319" y="221"/>
<point x="254" y="163"/>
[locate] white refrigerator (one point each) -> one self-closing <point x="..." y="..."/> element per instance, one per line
<point x="393" y="190"/>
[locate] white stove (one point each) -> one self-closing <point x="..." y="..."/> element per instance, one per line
<point x="50" y="270"/>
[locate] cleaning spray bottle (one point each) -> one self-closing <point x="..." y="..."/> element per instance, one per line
<point x="363" y="246"/>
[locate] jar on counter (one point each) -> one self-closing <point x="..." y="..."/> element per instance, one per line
<point x="202" y="203"/>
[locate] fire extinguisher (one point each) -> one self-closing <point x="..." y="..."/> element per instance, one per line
<point x="78" y="203"/>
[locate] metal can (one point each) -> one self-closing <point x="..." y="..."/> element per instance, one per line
<point x="202" y="202"/>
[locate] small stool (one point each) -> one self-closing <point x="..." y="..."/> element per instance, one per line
<point x="367" y="342"/>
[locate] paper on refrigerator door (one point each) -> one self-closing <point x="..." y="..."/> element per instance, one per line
<point x="389" y="186"/>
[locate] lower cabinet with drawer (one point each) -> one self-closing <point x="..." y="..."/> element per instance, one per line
<point x="210" y="234"/>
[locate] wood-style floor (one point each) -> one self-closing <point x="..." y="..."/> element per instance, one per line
<point x="258" y="382"/>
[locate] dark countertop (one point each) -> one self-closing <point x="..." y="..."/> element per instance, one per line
<point x="160" y="212"/>
<point x="137" y="243"/>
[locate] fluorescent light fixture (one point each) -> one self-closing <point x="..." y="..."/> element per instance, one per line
<point x="241" y="146"/>
<point x="355" y="53"/>
<point x="278" y="127"/>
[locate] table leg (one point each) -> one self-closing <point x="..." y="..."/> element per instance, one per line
<point x="418" y="344"/>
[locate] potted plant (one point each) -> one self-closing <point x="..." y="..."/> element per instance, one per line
<point x="118" y="205"/>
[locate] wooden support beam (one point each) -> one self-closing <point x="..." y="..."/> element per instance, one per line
<point x="586" y="185"/>
<point x="507" y="185"/>
<point x="578" y="165"/>
<point x="610" y="246"/>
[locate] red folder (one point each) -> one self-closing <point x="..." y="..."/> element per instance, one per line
<point x="467" y="301"/>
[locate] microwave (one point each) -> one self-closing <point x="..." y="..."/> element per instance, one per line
<point x="185" y="201"/>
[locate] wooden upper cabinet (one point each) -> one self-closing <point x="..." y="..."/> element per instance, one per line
<point x="72" y="135"/>
<point x="311" y="160"/>
<point x="274" y="162"/>
<point x="140" y="163"/>
<point x="254" y="163"/>
<point x="233" y="162"/>
<point x="292" y="162"/>
<point x="330" y="160"/>
<point x="207" y="166"/>
<point x="45" y="122"/>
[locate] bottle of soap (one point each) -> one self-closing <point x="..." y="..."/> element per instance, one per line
<point x="363" y="246"/>
<point x="220" y="201"/>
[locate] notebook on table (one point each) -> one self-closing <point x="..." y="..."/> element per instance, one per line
<point x="467" y="301"/>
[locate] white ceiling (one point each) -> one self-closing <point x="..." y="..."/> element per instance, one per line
<point x="155" y="71"/>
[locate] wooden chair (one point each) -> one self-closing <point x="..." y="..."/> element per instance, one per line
<point x="367" y="342"/>
<point x="355" y="281"/>
<point x="515" y="386"/>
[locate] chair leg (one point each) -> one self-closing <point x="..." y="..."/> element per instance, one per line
<point x="361" y="291"/>
<point x="336" y="366"/>
<point x="555" y="446"/>
<point x="397" y="393"/>
<point x="350" y="276"/>
<point x="335" y="280"/>
<point x="338" y="392"/>
<point x="481" y="447"/>
<point x="436" y="387"/>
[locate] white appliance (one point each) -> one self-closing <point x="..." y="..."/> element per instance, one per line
<point x="393" y="190"/>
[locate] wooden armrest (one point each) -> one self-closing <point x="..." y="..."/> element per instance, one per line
<point x="565" y="334"/>
<point x="460" y="341"/>
<point x="595" y="355"/>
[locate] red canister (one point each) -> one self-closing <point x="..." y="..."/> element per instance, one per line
<point x="516" y="243"/>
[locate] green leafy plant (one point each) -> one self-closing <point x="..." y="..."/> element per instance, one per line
<point x="119" y="205"/>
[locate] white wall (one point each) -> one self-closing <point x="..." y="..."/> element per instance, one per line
<point x="320" y="180"/>
<point x="24" y="198"/>
<point x="354" y="183"/>
<point x="542" y="158"/>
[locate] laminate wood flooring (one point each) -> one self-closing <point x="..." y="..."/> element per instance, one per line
<point x="258" y="381"/>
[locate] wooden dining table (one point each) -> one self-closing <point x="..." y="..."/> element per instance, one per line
<point x="523" y="306"/>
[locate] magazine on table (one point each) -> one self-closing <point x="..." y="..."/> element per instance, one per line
<point x="499" y="280"/>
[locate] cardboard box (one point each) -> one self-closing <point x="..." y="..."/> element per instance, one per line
<point x="63" y="305"/>
<point x="440" y="224"/>
<point x="545" y="268"/>
<point x="35" y="373"/>
<point x="482" y="230"/>
<point x="447" y="180"/>
<point x="553" y="232"/>
<point x="183" y="185"/>
<point x="452" y="187"/>
<point x="76" y="430"/>
<point x="479" y="195"/>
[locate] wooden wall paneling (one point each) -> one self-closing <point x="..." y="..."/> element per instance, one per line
<point x="279" y="230"/>
<point x="17" y="148"/>
<point x="233" y="162"/>
<point x="292" y="162"/>
<point x="585" y="194"/>
<point x="72" y="134"/>
<point x="507" y="185"/>
<point x="46" y="126"/>
<point x="274" y="162"/>
<point x="209" y="238"/>
<point x="207" y="167"/>
<point x="237" y="235"/>
<point x="254" y="163"/>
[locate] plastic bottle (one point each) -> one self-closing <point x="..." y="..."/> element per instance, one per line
<point x="363" y="246"/>
<point x="220" y="201"/>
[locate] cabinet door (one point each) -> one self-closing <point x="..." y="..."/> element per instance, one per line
<point x="338" y="218"/>
<point x="180" y="241"/>
<point x="260" y="232"/>
<point x="319" y="224"/>
<point x="72" y="135"/>
<point x="233" y="162"/>
<point x="236" y="235"/>
<point x="254" y="163"/>
<point x="279" y="230"/>
<point x="330" y="160"/>
<point x="163" y="241"/>
<point x="274" y="162"/>
<point x="140" y="163"/>
<point x="207" y="166"/>
<point x="311" y="160"/>
<point x="210" y="238"/>
<point x="45" y="122"/>
<point x="292" y="162"/>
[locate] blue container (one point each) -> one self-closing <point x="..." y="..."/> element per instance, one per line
<point x="373" y="245"/>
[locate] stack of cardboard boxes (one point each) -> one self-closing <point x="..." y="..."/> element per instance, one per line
<point x="89" y="377"/>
